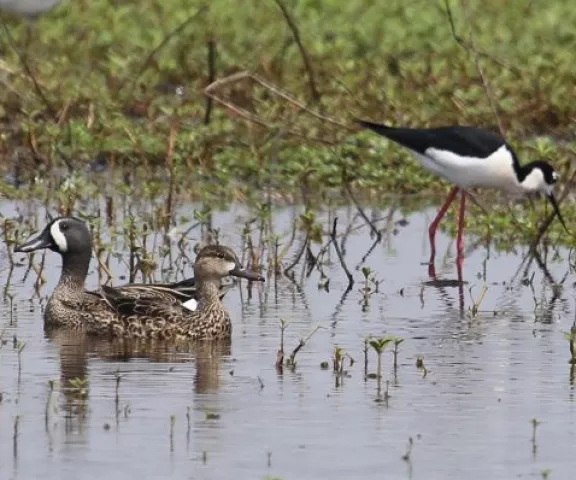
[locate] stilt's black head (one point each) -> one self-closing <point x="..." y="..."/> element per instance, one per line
<point x="540" y="176"/>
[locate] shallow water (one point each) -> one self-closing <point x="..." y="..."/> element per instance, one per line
<point x="469" y="416"/>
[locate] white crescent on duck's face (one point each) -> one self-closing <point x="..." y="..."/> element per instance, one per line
<point x="58" y="237"/>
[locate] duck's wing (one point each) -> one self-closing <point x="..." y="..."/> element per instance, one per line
<point x="145" y="317"/>
<point x="180" y="292"/>
<point x="148" y="305"/>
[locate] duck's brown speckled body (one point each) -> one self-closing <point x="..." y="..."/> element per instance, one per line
<point x="135" y="311"/>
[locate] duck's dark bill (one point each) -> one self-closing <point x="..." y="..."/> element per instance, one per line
<point x="557" y="210"/>
<point x="248" y="274"/>
<point x="43" y="240"/>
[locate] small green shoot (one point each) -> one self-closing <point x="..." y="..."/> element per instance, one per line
<point x="397" y="342"/>
<point x="420" y="366"/>
<point x="379" y="345"/>
<point x="280" y="353"/>
<point x="534" y="422"/>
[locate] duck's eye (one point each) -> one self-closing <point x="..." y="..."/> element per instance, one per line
<point x="64" y="227"/>
<point x="220" y="255"/>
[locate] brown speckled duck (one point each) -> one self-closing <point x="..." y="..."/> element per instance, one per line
<point x="134" y="311"/>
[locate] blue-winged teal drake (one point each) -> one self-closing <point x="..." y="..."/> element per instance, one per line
<point x="133" y="311"/>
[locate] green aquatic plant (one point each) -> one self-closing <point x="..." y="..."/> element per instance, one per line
<point x="370" y="286"/>
<point x="476" y="302"/>
<point x="79" y="386"/>
<point x="379" y="345"/>
<point x="210" y="415"/>
<point x="420" y="366"/>
<point x="397" y="342"/>
<point x="365" y="350"/>
<point x="280" y="352"/>
<point x="535" y="423"/>
<point x="338" y="359"/>
<point x="291" y="361"/>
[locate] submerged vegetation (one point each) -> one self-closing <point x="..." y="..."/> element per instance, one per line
<point x="121" y="95"/>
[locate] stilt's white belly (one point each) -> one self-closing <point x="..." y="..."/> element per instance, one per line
<point x="495" y="171"/>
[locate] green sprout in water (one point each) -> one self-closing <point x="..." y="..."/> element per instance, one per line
<point x="473" y="311"/>
<point x="338" y="363"/>
<point x="210" y="415"/>
<point x="369" y="288"/>
<point x="397" y="341"/>
<point x="365" y="350"/>
<point x="79" y="386"/>
<point x="280" y="353"/>
<point x="379" y="345"/>
<point x="535" y="422"/>
<point x="420" y="366"/>
<point x="338" y="359"/>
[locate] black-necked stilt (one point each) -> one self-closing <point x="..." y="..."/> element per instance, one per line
<point x="470" y="157"/>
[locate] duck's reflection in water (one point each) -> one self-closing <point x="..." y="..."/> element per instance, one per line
<point x="76" y="350"/>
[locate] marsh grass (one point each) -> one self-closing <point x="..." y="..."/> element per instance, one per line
<point x="126" y="82"/>
<point x="132" y="142"/>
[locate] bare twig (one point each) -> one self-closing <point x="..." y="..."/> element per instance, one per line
<point x="298" y="256"/>
<point x="348" y="190"/>
<point x="211" y="91"/>
<point x="305" y="58"/>
<point x="340" y="255"/>
<point x="470" y="46"/>
<point x="28" y="71"/>
<point x="303" y="341"/>
<point x="211" y="77"/>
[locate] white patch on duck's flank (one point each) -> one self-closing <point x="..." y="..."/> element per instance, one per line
<point x="494" y="171"/>
<point x="191" y="305"/>
<point x="58" y="237"/>
<point x="535" y="182"/>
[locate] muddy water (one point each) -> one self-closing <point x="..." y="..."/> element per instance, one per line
<point x="224" y="412"/>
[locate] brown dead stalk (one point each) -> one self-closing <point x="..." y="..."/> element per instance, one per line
<point x="212" y="92"/>
<point x="303" y="52"/>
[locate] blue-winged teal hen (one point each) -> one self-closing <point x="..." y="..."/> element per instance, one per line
<point x="183" y="291"/>
<point x="133" y="311"/>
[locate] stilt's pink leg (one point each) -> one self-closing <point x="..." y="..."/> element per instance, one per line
<point x="436" y="222"/>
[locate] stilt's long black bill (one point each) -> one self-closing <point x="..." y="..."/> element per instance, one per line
<point x="557" y="210"/>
